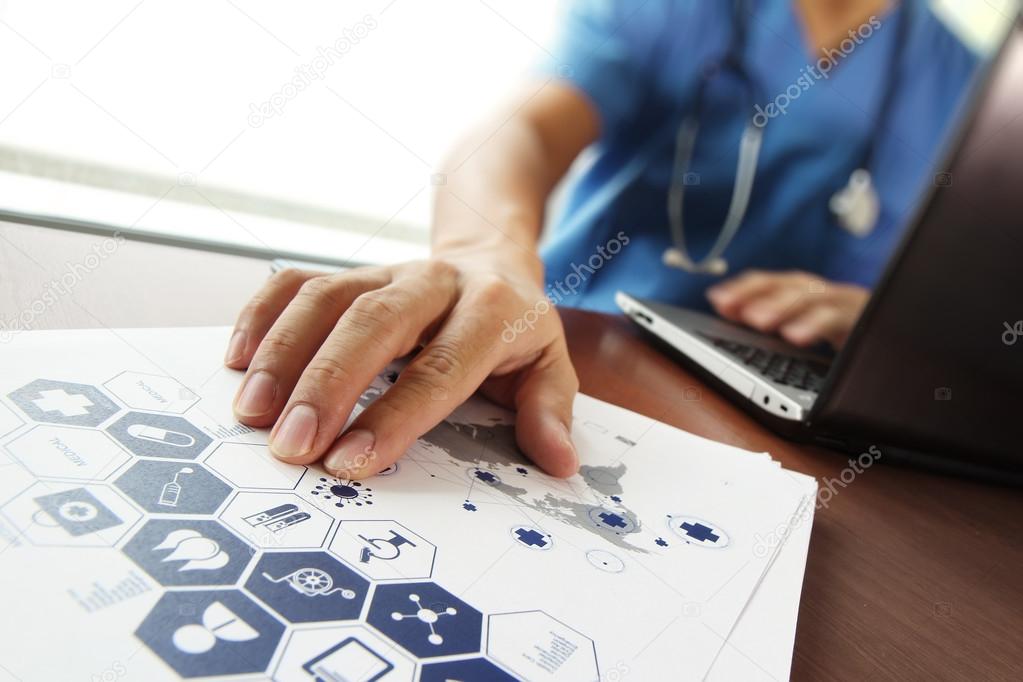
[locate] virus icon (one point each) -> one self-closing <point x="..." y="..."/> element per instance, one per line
<point x="345" y="493"/>
<point x="661" y="542"/>
<point x="469" y="506"/>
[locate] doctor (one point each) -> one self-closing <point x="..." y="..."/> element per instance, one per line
<point x="757" y="158"/>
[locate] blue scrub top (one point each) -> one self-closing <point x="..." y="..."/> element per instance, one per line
<point x="640" y="64"/>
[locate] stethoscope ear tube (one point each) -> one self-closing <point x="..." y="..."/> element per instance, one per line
<point x="746" y="168"/>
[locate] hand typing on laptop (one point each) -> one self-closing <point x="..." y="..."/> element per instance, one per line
<point x="801" y="307"/>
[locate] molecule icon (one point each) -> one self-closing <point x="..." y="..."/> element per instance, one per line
<point x="428" y="616"/>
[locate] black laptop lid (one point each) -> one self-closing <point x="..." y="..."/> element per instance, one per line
<point x="936" y="361"/>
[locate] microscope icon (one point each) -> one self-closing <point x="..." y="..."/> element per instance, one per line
<point x="385" y="549"/>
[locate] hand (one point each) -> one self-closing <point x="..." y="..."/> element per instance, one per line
<point x="313" y="342"/>
<point x="801" y="307"/>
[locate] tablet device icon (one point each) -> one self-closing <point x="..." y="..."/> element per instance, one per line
<point x="351" y="661"/>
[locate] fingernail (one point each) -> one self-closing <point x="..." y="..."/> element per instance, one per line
<point x="352" y="453"/>
<point x="235" y="348"/>
<point x="295" y="436"/>
<point x="566" y="440"/>
<point x="257" y="396"/>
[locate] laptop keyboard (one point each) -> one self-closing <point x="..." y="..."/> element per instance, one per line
<point x="778" y="367"/>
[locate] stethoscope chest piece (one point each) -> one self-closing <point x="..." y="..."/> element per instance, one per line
<point x="856" y="206"/>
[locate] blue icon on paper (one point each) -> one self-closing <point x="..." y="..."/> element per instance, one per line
<point x="484" y="476"/>
<point x="211" y="632"/>
<point x="699" y="532"/>
<point x="77" y="511"/>
<point x="468" y="669"/>
<point x="62" y="402"/>
<point x="345" y="658"/>
<point x="426" y="619"/>
<point x="159" y="435"/>
<point x="189" y="552"/>
<point x="173" y="487"/>
<point x="385" y="549"/>
<point x="308" y="587"/>
<point x="612" y="521"/>
<point x="534" y="538"/>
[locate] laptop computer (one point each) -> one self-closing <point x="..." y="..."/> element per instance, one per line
<point x="933" y="370"/>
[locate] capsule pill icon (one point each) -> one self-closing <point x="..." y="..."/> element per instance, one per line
<point x="163" y="436"/>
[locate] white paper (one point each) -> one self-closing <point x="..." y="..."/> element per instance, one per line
<point x="153" y="537"/>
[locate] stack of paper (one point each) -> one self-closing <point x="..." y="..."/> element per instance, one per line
<point x="153" y="537"/>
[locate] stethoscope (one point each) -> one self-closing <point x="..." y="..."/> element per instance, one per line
<point x="856" y="207"/>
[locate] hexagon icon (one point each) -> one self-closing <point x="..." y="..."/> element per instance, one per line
<point x="167" y="487"/>
<point x="535" y="646"/>
<point x="308" y="587"/>
<point x="252" y="466"/>
<point x="277" y="520"/>
<point x="333" y="653"/>
<point x="426" y="619"/>
<point x="211" y="632"/>
<point x="384" y="550"/>
<point x="9" y="422"/>
<point x="51" y="451"/>
<point x="159" y="435"/>
<point x="63" y="402"/>
<point x="153" y="392"/>
<point x="189" y="552"/>
<point x="465" y="669"/>
<point x="71" y="515"/>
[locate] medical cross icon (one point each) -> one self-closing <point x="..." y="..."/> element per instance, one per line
<point x="531" y="537"/>
<point x="59" y="400"/>
<point x="486" y="477"/>
<point x="612" y="520"/>
<point x="700" y="532"/>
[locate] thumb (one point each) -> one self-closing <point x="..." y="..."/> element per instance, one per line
<point x="543" y="426"/>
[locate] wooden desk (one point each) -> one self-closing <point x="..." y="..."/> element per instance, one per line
<point x="910" y="575"/>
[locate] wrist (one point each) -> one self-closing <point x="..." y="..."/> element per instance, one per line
<point x="508" y="260"/>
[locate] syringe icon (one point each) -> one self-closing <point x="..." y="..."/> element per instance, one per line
<point x="172" y="489"/>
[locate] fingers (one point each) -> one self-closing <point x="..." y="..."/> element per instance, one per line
<point x="775" y="306"/>
<point x="256" y="318"/>
<point x="729" y="297"/>
<point x="831" y="319"/>
<point x="543" y="426"/>
<point x="441" y="377"/>
<point x="294" y="338"/>
<point x="819" y="323"/>
<point x="380" y="325"/>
